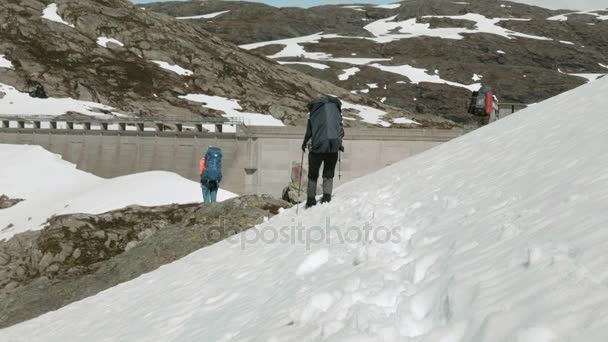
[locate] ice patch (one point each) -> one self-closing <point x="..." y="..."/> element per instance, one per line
<point x="50" y="13"/>
<point x="174" y="68"/>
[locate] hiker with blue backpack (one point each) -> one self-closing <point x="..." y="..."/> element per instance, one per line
<point x="210" y="171"/>
<point x="324" y="132"/>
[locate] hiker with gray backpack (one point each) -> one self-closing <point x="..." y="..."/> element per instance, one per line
<point x="210" y="171"/>
<point x="324" y="132"/>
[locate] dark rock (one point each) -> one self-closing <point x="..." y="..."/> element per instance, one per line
<point x="45" y="270"/>
<point x="456" y="60"/>
<point x="6" y="202"/>
<point x="67" y="62"/>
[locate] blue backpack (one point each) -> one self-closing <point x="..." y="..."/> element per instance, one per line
<point x="213" y="166"/>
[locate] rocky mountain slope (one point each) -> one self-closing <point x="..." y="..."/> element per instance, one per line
<point x="141" y="62"/>
<point x="79" y="255"/>
<point x="420" y="45"/>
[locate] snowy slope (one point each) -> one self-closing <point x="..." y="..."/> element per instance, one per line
<point x="52" y="186"/>
<point x="499" y="235"/>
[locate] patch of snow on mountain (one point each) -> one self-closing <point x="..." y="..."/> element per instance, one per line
<point x="499" y="235"/>
<point x="355" y="8"/>
<point x="368" y="114"/>
<point x="293" y="48"/>
<point x="50" y="13"/>
<point x="174" y="68"/>
<point x="14" y="102"/>
<point x="603" y="66"/>
<point x="64" y="189"/>
<point x="460" y="3"/>
<point x="5" y="63"/>
<point x="103" y="41"/>
<point x="564" y="17"/>
<point x="389" y="6"/>
<point x="477" y="77"/>
<point x="417" y="75"/>
<point x="404" y="121"/>
<point x="500" y="52"/>
<point x="566" y="42"/>
<point x="357" y="61"/>
<point x="203" y="16"/>
<point x="312" y="65"/>
<point x="232" y="110"/>
<point x="589" y="77"/>
<point x="347" y="73"/>
<point x="384" y="29"/>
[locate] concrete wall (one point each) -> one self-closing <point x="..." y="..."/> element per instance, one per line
<point x="256" y="160"/>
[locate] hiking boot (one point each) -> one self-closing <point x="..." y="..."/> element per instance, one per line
<point x="310" y="202"/>
<point x="326" y="198"/>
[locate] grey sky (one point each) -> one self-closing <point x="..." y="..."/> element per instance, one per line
<point x="553" y="4"/>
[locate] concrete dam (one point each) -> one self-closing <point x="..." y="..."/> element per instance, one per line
<point x="257" y="160"/>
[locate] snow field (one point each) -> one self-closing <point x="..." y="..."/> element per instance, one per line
<point x="494" y="236"/>
<point x="15" y="102"/>
<point x="52" y="186"/>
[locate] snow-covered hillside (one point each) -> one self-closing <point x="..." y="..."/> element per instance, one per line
<point x="51" y="186"/>
<point x="499" y="235"/>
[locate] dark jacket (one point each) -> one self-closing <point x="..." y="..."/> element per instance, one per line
<point x="324" y="128"/>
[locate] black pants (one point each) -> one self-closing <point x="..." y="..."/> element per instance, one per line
<point x="329" y="161"/>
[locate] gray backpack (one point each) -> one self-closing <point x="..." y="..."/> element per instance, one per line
<point x="325" y="124"/>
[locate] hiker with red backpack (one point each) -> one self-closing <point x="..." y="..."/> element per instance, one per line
<point x="325" y="132"/>
<point x="210" y="171"/>
<point x="484" y="103"/>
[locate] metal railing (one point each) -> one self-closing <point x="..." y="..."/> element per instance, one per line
<point x="139" y="124"/>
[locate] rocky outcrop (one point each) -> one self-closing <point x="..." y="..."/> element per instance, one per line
<point x="70" y="61"/>
<point x="520" y="70"/>
<point x="6" y="202"/>
<point x="77" y="256"/>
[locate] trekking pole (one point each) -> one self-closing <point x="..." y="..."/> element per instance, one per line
<point x="300" y="183"/>
<point x="339" y="165"/>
